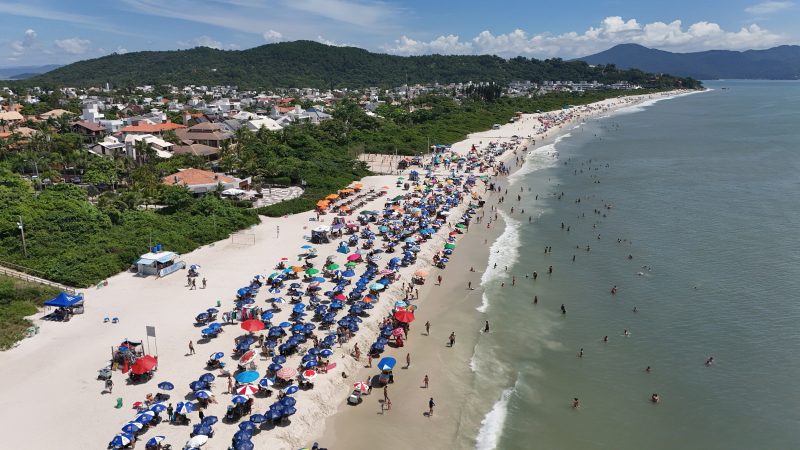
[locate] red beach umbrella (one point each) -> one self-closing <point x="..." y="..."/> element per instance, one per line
<point x="404" y="316"/>
<point x="247" y="357"/>
<point x="286" y="373"/>
<point x="340" y="297"/>
<point x="361" y="386"/>
<point x="252" y="325"/>
<point x="144" y="364"/>
<point x="247" y="389"/>
<point x="309" y="374"/>
<point x="354" y="257"/>
<point x="398" y="331"/>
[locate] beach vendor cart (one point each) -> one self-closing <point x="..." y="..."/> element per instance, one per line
<point x="386" y="365"/>
<point x="160" y="263"/>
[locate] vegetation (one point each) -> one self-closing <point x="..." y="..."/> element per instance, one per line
<point x="19" y="299"/>
<point x="311" y="64"/>
<point x="78" y="243"/>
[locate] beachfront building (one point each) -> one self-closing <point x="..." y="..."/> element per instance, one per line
<point x="158" y="263"/>
<point x="199" y="181"/>
<point x="211" y="134"/>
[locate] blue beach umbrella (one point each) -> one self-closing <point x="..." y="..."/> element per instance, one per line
<point x="266" y="382"/>
<point x="132" y="427"/>
<point x="326" y="353"/>
<point x="247" y="425"/>
<point x="207" y="377"/>
<point x="217" y="355"/>
<point x="239" y="399"/>
<point x="284" y="324"/>
<point x="279" y="359"/>
<point x="243" y="445"/>
<point x="158" y="408"/>
<point x="154" y="441"/>
<point x="247" y="377"/>
<point x="144" y="417"/>
<point x="242" y="435"/>
<point x="288" y="401"/>
<point x="201" y="429"/>
<point x="274" y="367"/>
<point x="258" y="418"/>
<point x="291" y="389"/>
<point x="289" y="411"/>
<point x="166" y="386"/>
<point x="202" y="395"/>
<point x="198" y="385"/>
<point x="121" y="440"/>
<point x="209" y="420"/>
<point x="266" y="315"/>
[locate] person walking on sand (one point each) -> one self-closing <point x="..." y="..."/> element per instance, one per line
<point x="430" y="407"/>
<point x="385" y="393"/>
<point x="425" y="381"/>
<point x="191" y="348"/>
<point x="408" y="360"/>
<point x="452" y="338"/>
<point x="204" y="282"/>
<point x="369" y="360"/>
<point x="109" y="386"/>
<point x="439" y="279"/>
<point x="427" y="328"/>
<point x="230" y="384"/>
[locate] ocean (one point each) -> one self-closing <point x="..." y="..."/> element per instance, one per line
<point x="688" y="206"/>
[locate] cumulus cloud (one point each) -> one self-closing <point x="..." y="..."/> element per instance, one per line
<point x="206" y="41"/>
<point x="769" y="7"/>
<point x="611" y="31"/>
<point x="332" y="43"/>
<point x="73" y="46"/>
<point x="27" y="42"/>
<point x="272" y="36"/>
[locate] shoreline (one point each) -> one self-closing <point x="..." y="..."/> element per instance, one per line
<point x="76" y="350"/>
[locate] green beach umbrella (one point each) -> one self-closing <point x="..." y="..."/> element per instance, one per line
<point x="273" y="275"/>
<point x="312" y="271"/>
<point x="333" y="266"/>
<point x="350" y="264"/>
<point x="450" y="246"/>
<point x="461" y="225"/>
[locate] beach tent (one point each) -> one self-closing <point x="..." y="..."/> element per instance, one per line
<point x="64" y="300"/>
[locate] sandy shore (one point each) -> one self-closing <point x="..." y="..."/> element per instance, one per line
<point x="50" y="380"/>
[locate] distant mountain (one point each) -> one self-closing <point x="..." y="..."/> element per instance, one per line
<point x="311" y="64"/>
<point x="778" y="63"/>
<point x="23" y="72"/>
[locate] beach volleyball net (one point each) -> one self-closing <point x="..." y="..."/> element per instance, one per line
<point x="243" y="238"/>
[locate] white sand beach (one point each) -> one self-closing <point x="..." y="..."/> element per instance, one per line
<point x="51" y="398"/>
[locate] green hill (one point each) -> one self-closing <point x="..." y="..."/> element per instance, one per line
<point x="311" y="64"/>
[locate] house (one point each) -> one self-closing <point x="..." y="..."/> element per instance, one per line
<point x="90" y="131"/>
<point x="205" y="151"/>
<point x="54" y="114"/>
<point x="11" y="117"/>
<point x="110" y="146"/>
<point x="264" y="122"/>
<point x="200" y="181"/>
<point x="160" y="146"/>
<point x="211" y="134"/>
<point x="146" y="127"/>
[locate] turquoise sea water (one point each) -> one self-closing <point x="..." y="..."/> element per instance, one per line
<point x="703" y="191"/>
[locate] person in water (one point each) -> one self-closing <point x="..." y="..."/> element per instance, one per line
<point x="563" y="309"/>
<point x="486" y="327"/>
<point x="655" y="398"/>
<point x="576" y="403"/>
<point x="710" y="361"/>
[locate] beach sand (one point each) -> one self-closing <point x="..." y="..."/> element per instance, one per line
<point x="50" y="396"/>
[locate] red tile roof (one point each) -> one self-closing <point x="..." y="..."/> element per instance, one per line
<point x="191" y="177"/>
<point x="151" y="128"/>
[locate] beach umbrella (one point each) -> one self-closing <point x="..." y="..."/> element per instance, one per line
<point x="461" y="225"/>
<point x="247" y="426"/>
<point x="166" y="386"/>
<point x="305" y="247"/>
<point x="288" y="411"/>
<point x="242" y="436"/>
<point x="258" y="418"/>
<point x="239" y="399"/>
<point x="203" y="395"/>
<point x="376" y="287"/>
<point x="185" y="407"/>
<point x="217" y="355"/>
<point x="400" y="304"/>
<point x="201" y="430"/>
<point x="266" y="315"/>
<point x="332" y="266"/>
<point x="207" y="377"/>
<point x="279" y="359"/>
<point x="154" y="441"/>
<point x="252" y="325"/>
<point x="121" y="440"/>
<point x="291" y="389"/>
<point x="318" y="280"/>
<point x="421" y="273"/>
<point x="196" y="441"/>
<point x="354" y="257"/>
<point x="285" y="325"/>
<point x="286" y="373"/>
<point x="312" y="271"/>
<point x="397" y="332"/>
<point x="144" y="364"/>
<point x="326" y="353"/>
<point x="209" y="420"/>
<point x="247" y="357"/>
<point x="247" y="376"/>
<point x="243" y="445"/>
<point x="449" y="246"/>
<point x="158" y="408"/>
<point x="247" y="389"/>
<point x="266" y="382"/>
<point x="348" y="273"/>
<point x="361" y="386"/>
<point x="309" y="374"/>
<point x="404" y="316"/>
<point x="288" y="401"/>
<point x="387" y="363"/>
<point x="198" y="385"/>
<point x="132" y="427"/>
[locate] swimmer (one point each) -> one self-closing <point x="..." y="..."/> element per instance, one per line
<point x="576" y="403"/>
<point x="605" y="338"/>
<point x="655" y="398"/>
<point x="625" y="333"/>
<point x="648" y="369"/>
<point x="710" y="361"/>
<point x="535" y="299"/>
<point x="564" y="309"/>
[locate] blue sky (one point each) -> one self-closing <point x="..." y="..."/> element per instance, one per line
<point x="34" y="32"/>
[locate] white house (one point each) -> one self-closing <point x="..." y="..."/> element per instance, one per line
<point x="264" y="122"/>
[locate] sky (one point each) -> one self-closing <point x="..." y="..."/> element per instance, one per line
<point x="38" y="32"/>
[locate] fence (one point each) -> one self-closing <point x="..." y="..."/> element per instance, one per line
<point x="19" y="272"/>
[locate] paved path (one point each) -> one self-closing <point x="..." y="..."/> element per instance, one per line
<point x="276" y="195"/>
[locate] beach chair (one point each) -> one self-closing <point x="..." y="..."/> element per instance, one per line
<point x="119" y="403"/>
<point x="115" y="320"/>
<point x="106" y="319"/>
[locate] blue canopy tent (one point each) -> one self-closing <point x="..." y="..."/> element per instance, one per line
<point x="64" y="300"/>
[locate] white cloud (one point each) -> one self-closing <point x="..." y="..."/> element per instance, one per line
<point x="272" y="36"/>
<point x="26" y="10"/>
<point x="206" y="41"/>
<point x="332" y="43"/>
<point x="27" y="42"/>
<point x="611" y="31"/>
<point x="769" y="7"/>
<point x="121" y="51"/>
<point x="74" y="46"/>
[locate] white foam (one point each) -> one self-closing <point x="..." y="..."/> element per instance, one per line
<point x="484" y="302"/>
<point x="540" y="158"/>
<point x="639" y="107"/>
<point x="473" y="364"/>
<point x="503" y="252"/>
<point x="492" y="424"/>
